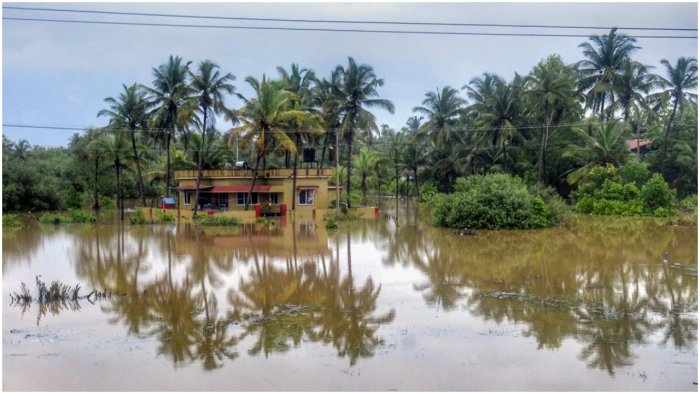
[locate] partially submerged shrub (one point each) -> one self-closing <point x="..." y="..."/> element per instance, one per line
<point x="495" y="201"/>
<point x="690" y="203"/>
<point x="165" y="217"/>
<point x="80" y="216"/>
<point x="331" y="224"/>
<point x="427" y="192"/>
<point x="656" y="194"/>
<point x="218" y="220"/>
<point x="9" y="220"/>
<point x="53" y="218"/>
<point x="138" y="217"/>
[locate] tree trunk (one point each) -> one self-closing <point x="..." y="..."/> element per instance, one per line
<point x="348" y="180"/>
<point x="142" y="189"/>
<point x="668" y="132"/>
<point x="167" y="165"/>
<point x="294" y="174"/>
<point x="252" y="184"/>
<point x="639" y="151"/>
<point x="200" y="161"/>
<point x="415" y="179"/>
<point x="96" y="205"/>
<point x="120" y="202"/>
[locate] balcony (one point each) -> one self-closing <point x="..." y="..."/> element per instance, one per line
<point x="269" y="173"/>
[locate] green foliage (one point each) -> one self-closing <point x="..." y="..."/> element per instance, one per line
<point x="138" y="217"/>
<point x="51" y="218"/>
<point x="331" y="224"/>
<point x="690" y="203"/>
<point x="107" y="203"/>
<point x="80" y="216"/>
<point x="9" y="220"/>
<point x="218" y="220"/>
<point x="427" y="192"/>
<point x="165" y="217"/>
<point x="495" y="201"/>
<point x="635" y="171"/>
<point x="656" y="194"/>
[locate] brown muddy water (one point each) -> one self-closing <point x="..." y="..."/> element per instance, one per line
<point x="375" y="305"/>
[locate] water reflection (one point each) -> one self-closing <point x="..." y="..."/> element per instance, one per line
<point x="599" y="281"/>
<point x="209" y="295"/>
<point x="283" y="286"/>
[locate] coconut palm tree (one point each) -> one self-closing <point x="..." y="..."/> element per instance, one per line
<point x="129" y="111"/>
<point x="112" y="147"/>
<point x="21" y="149"/>
<point x="605" y="58"/>
<point x="632" y="86"/>
<point x="442" y="109"/>
<point x="328" y="100"/>
<point x="358" y="89"/>
<point x="551" y="88"/>
<point x="209" y="86"/>
<point x="262" y="119"/>
<point x="172" y="99"/>
<point x="681" y="78"/>
<point x="365" y="163"/>
<point x="597" y="145"/>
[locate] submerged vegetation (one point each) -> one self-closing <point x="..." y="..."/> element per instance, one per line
<point x="605" y="132"/>
<point x="218" y="221"/>
<point x="9" y="220"/>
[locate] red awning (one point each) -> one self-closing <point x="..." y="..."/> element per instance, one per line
<point x="308" y="187"/>
<point x="193" y="188"/>
<point x="240" y="189"/>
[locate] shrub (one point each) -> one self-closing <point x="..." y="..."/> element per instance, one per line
<point x="690" y="203"/>
<point x="656" y="194"/>
<point x="51" y="218"/>
<point x="80" y="216"/>
<point x="635" y="172"/>
<point x="165" y="217"/>
<point x="495" y="201"/>
<point x="107" y="203"/>
<point x="138" y="217"/>
<point x="331" y="224"/>
<point x="9" y="220"/>
<point x="427" y="192"/>
<point x="218" y="221"/>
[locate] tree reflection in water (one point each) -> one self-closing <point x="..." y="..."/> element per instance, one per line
<point x="280" y="302"/>
<point x="609" y="273"/>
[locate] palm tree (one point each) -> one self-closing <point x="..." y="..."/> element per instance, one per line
<point x="496" y="109"/>
<point x="262" y="119"/>
<point x="112" y="147"/>
<point x="551" y="86"/>
<point x="681" y="78"/>
<point x="209" y="86"/>
<point x="596" y="146"/>
<point x="442" y="109"/>
<point x="605" y="57"/>
<point x="632" y="86"/>
<point x="21" y="149"/>
<point x="171" y="97"/>
<point x="365" y="163"/>
<point x="328" y="99"/>
<point x="358" y="88"/>
<point x="129" y="111"/>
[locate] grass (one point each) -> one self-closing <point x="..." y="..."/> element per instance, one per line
<point x="55" y="292"/>
<point x="9" y="220"/>
<point x="217" y="221"/>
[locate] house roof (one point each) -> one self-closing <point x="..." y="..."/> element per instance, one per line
<point x="632" y="144"/>
<point x="191" y="188"/>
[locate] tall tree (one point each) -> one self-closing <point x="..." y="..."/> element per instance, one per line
<point x="171" y="97"/>
<point x="552" y="91"/>
<point x="263" y="118"/>
<point x="365" y="163"/>
<point x="596" y="144"/>
<point x="111" y="146"/>
<point x="359" y="91"/>
<point x="129" y="111"/>
<point x="605" y="58"/>
<point x="209" y="86"/>
<point x="442" y="109"/>
<point x="681" y="78"/>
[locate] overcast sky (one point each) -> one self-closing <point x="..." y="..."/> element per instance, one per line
<point x="58" y="74"/>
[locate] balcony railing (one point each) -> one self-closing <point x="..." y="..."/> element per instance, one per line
<point x="270" y="173"/>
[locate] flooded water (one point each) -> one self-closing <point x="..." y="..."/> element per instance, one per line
<point x="391" y="304"/>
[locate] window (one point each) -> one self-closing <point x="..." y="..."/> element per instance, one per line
<point x="187" y="198"/>
<point x="241" y="197"/>
<point x="222" y="200"/>
<point x="306" y="196"/>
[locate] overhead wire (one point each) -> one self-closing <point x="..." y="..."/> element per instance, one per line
<point x="310" y="29"/>
<point x="336" y="21"/>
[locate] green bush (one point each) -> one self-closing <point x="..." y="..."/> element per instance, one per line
<point x="107" y="203"/>
<point x="690" y="203"/>
<point x="80" y="216"/>
<point x="165" y="217"/>
<point x="427" y="192"/>
<point x="494" y="201"/>
<point x="51" y="218"/>
<point x="656" y="194"/>
<point x="9" y="220"/>
<point x="218" y="221"/>
<point x="138" y="217"/>
<point x="635" y="172"/>
<point x="331" y="224"/>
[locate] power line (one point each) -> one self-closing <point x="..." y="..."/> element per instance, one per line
<point x="413" y="32"/>
<point x="340" y="21"/>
